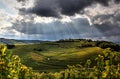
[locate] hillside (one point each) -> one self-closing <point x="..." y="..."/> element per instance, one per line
<point x="104" y="66"/>
<point x="55" y="56"/>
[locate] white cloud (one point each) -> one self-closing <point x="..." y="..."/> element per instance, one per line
<point x="5" y="19"/>
<point x="100" y="14"/>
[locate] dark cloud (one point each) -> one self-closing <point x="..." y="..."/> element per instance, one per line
<point x="21" y="0"/>
<point x="108" y="30"/>
<point x="47" y="12"/>
<point x="73" y="6"/>
<point x="112" y="19"/>
<point x="108" y="24"/>
<point x="78" y="28"/>
<point x="53" y="8"/>
<point x="49" y="28"/>
<point x="47" y="8"/>
<point x="117" y="1"/>
<point x="105" y="19"/>
<point x="104" y="2"/>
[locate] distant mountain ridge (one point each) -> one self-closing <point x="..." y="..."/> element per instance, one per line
<point x="117" y="42"/>
<point x="13" y="41"/>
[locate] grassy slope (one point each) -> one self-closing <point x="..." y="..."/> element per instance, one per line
<point x="54" y="56"/>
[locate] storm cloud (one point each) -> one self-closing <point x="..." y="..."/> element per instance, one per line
<point x="61" y="19"/>
<point x="53" y="8"/>
<point x="77" y="28"/>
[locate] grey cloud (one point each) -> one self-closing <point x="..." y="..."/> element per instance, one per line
<point x="106" y="19"/>
<point x="21" y="0"/>
<point x="117" y="1"/>
<point x="78" y="28"/>
<point x="50" y="28"/>
<point x="108" y="29"/>
<point x="73" y="6"/>
<point x="109" y="25"/>
<point x="53" y="8"/>
<point x="105" y="24"/>
<point x="112" y="19"/>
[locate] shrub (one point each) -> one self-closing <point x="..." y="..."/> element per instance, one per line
<point x="11" y="68"/>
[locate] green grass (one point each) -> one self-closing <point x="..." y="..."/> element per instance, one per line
<point x="54" y="56"/>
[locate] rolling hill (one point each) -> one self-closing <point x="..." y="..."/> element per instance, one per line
<point x="55" y="56"/>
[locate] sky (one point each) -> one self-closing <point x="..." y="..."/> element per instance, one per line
<point x="60" y="19"/>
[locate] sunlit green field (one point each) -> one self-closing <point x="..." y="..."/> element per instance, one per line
<point x="52" y="56"/>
